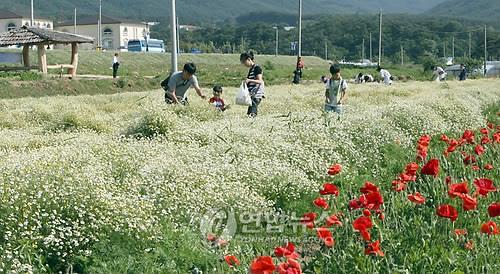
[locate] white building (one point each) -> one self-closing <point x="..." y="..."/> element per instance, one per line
<point x="115" y="32"/>
<point x="11" y="20"/>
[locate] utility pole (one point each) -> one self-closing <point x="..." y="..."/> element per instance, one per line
<point x="277" y="40"/>
<point x="363" y="51"/>
<point x="371" y="48"/>
<point x="453" y="49"/>
<point x="326" y="50"/>
<point x="380" y="41"/>
<point x="99" y="35"/>
<point x="178" y="36"/>
<point x="299" y="52"/>
<point x="485" y="50"/>
<point x="32" y="22"/>
<point x="470" y="44"/>
<point x="174" y="40"/>
<point x="74" y="30"/>
<point x="402" y="55"/>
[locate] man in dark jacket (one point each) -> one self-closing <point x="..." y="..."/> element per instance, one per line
<point x="463" y="73"/>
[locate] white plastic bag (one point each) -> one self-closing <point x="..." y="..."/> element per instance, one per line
<point x="243" y="97"/>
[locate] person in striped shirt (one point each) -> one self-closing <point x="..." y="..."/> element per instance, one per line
<point x="254" y="81"/>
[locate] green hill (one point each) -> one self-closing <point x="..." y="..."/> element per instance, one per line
<point x="219" y="10"/>
<point x="477" y="9"/>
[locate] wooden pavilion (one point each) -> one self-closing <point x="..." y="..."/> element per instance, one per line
<point x="32" y="36"/>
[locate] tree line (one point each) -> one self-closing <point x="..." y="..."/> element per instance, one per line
<point x="420" y="37"/>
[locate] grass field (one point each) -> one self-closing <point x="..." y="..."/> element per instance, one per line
<point x="120" y="183"/>
<point x="138" y="68"/>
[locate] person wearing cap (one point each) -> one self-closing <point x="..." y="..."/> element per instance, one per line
<point x="335" y="94"/>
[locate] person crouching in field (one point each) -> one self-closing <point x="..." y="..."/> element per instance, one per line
<point x="335" y="94"/>
<point x="254" y="81"/>
<point x="217" y="100"/>
<point x="439" y="74"/>
<point x="176" y="86"/>
<point x="386" y="75"/>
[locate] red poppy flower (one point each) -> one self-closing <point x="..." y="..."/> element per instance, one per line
<point x="489" y="167"/>
<point x="287" y="251"/>
<point x="448" y="180"/>
<point x="460" y="232"/>
<point x="425" y="140"/>
<point x="231" y="260"/>
<point x="452" y="147"/>
<point x="369" y="187"/>
<point x="326" y="235"/>
<point x="491" y="126"/>
<point x="398" y="186"/>
<point x="308" y="219"/>
<point x="431" y="168"/>
<point x="407" y="178"/>
<point x="262" y="265"/>
<point x="456" y="190"/>
<point x="469" y="159"/>
<point x="321" y="203"/>
<point x="289" y="267"/>
<point x="494" y="210"/>
<point x="445" y="138"/>
<point x="484" y="131"/>
<point x="490" y="228"/>
<point x="362" y="223"/>
<point x="374" y="249"/>
<point x="367" y="213"/>
<point x="496" y="137"/>
<point x="447" y="211"/>
<point x="485" y="140"/>
<point x="354" y="204"/>
<point x="475" y="168"/>
<point x="333" y="220"/>
<point x="416" y="198"/>
<point x="469" y="203"/>
<point x="484" y="186"/>
<point x="371" y="200"/>
<point x="411" y="169"/>
<point x="468" y="136"/>
<point x="335" y="169"/>
<point x="479" y="149"/>
<point x="329" y="189"/>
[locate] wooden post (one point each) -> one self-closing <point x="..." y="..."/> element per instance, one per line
<point x="26" y="56"/>
<point x="74" y="60"/>
<point x="42" y="59"/>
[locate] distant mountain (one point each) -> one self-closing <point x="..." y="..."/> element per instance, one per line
<point x="488" y="10"/>
<point x="212" y="10"/>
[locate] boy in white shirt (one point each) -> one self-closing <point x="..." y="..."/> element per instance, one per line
<point x="335" y="94"/>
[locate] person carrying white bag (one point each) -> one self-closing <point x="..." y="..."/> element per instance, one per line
<point x="243" y="97"/>
<point x="254" y="83"/>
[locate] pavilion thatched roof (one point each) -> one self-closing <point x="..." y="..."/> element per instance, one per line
<point x="32" y="36"/>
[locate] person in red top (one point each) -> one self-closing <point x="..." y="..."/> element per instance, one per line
<point x="217" y="100"/>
